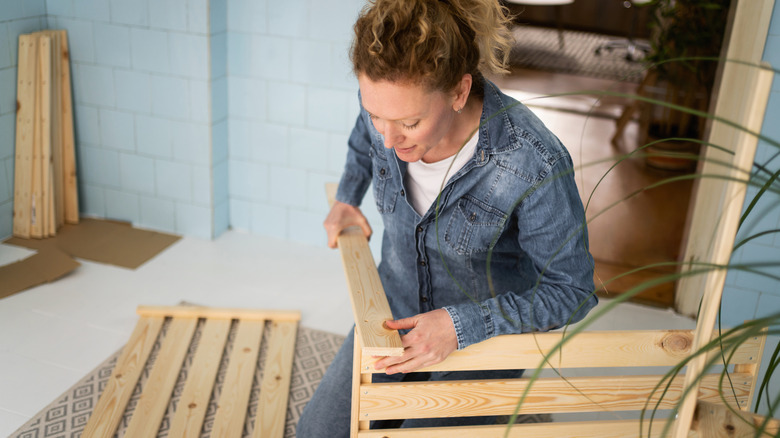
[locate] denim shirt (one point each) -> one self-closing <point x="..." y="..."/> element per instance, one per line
<point x="507" y="251"/>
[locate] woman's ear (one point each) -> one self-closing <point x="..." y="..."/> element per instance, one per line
<point x="462" y="91"/>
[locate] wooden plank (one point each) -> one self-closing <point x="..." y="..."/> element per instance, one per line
<point x="25" y="132"/>
<point x="70" y="187"/>
<point x="111" y="406"/>
<point x="46" y="104"/>
<point x="717" y="420"/>
<point x="231" y="415"/>
<point x="752" y="368"/>
<point x="579" y="429"/>
<point x="355" y="425"/>
<point x="36" y="210"/>
<point x="742" y="97"/>
<point x="369" y="302"/>
<point x="56" y="130"/>
<point x="153" y="403"/>
<point x="381" y="401"/>
<point x="212" y="312"/>
<point x="629" y="348"/>
<point x="275" y="387"/>
<point x="191" y="410"/>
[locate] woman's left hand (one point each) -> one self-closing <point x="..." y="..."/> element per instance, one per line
<point x="432" y="338"/>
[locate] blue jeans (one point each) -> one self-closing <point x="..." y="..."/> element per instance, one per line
<point x="327" y="415"/>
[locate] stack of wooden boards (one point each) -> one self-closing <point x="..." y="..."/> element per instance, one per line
<point x="45" y="189"/>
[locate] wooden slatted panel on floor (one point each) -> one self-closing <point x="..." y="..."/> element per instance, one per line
<point x="25" y="133"/>
<point x="235" y="391"/>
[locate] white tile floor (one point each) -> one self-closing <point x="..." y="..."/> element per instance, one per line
<point x="52" y="335"/>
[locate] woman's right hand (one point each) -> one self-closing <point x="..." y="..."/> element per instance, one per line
<point x="342" y="216"/>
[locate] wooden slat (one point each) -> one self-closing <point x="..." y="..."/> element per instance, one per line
<point x="57" y="203"/>
<point x="380" y="401"/>
<point x="581" y="429"/>
<point x="25" y="133"/>
<point x="231" y="415"/>
<point x="717" y="420"/>
<point x="45" y="100"/>
<point x="70" y="181"/>
<point x="36" y="211"/>
<point x="194" y="400"/>
<point x="111" y="405"/>
<point x="156" y="394"/>
<point x="369" y="302"/>
<point x="630" y="348"/>
<point x="742" y="97"/>
<point x="275" y="387"/>
<point x="211" y="312"/>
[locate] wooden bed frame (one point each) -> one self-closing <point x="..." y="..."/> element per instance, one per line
<point x="187" y="420"/>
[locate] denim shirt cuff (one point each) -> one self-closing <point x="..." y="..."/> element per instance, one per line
<point x="473" y="323"/>
<point x="352" y="188"/>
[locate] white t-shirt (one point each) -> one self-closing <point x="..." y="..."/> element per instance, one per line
<point x="424" y="180"/>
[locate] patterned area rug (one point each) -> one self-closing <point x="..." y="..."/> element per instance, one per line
<point x="67" y="416"/>
<point x="538" y="48"/>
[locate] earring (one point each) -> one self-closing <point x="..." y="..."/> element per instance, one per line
<point x="459" y="110"/>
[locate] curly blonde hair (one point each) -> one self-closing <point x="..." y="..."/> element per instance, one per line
<point x="431" y="42"/>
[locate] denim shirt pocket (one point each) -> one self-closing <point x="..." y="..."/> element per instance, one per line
<point x="384" y="194"/>
<point x="473" y="226"/>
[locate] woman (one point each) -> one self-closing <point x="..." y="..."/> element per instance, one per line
<point x="484" y="228"/>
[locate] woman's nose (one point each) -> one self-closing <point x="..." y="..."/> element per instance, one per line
<point x="393" y="135"/>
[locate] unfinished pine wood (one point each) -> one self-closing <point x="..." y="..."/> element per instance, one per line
<point x="45" y="116"/>
<point x="194" y="400"/>
<point x="717" y="420"/>
<point x="275" y="387"/>
<point x="463" y="398"/>
<point x="215" y="312"/>
<point x="742" y="97"/>
<point x="57" y="185"/>
<point x="369" y="302"/>
<point x="70" y="185"/>
<point x="25" y="133"/>
<point x="36" y="210"/>
<point x="229" y="421"/>
<point x="156" y="394"/>
<point x="578" y="429"/>
<point x="111" y="405"/>
<point x="626" y="348"/>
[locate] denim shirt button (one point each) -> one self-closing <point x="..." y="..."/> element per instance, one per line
<point x="382" y="171"/>
<point x="424" y="299"/>
<point x="403" y="193"/>
<point x="419" y="229"/>
<point x="422" y="262"/>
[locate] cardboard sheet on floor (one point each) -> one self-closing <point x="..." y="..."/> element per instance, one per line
<point x="104" y="241"/>
<point x="44" y="266"/>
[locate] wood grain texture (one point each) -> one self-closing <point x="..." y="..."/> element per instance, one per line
<point x="25" y="133"/>
<point x="70" y="179"/>
<point x="194" y="400"/>
<point x="714" y="420"/>
<point x="111" y="405"/>
<point x="578" y="429"/>
<point x="629" y="348"/>
<point x="367" y="295"/>
<point x="152" y="404"/>
<point x="44" y="213"/>
<point x="36" y="218"/>
<point x="215" y="312"/>
<point x="232" y="405"/>
<point x="57" y="206"/>
<point x="275" y="387"/>
<point x="380" y="401"/>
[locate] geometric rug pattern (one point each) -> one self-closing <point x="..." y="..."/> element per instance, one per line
<point x="67" y="415"/>
<point x="538" y="48"/>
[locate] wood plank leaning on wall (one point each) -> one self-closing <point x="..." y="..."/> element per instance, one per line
<point x="45" y="186"/>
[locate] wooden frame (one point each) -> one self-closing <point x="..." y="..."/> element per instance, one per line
<point x="596" y="365"/>
<point x="187" y="420"/>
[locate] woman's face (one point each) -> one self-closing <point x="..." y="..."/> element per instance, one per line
<point x="414" y="121"/>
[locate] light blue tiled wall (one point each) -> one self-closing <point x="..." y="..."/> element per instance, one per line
<point x="750" y="295"/>
<point x="292" y="102"/>
<point x="142" y="90"/>
<point x="16" y="18"/>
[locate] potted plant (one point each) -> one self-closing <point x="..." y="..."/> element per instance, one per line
<point x="683" y="33"/>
